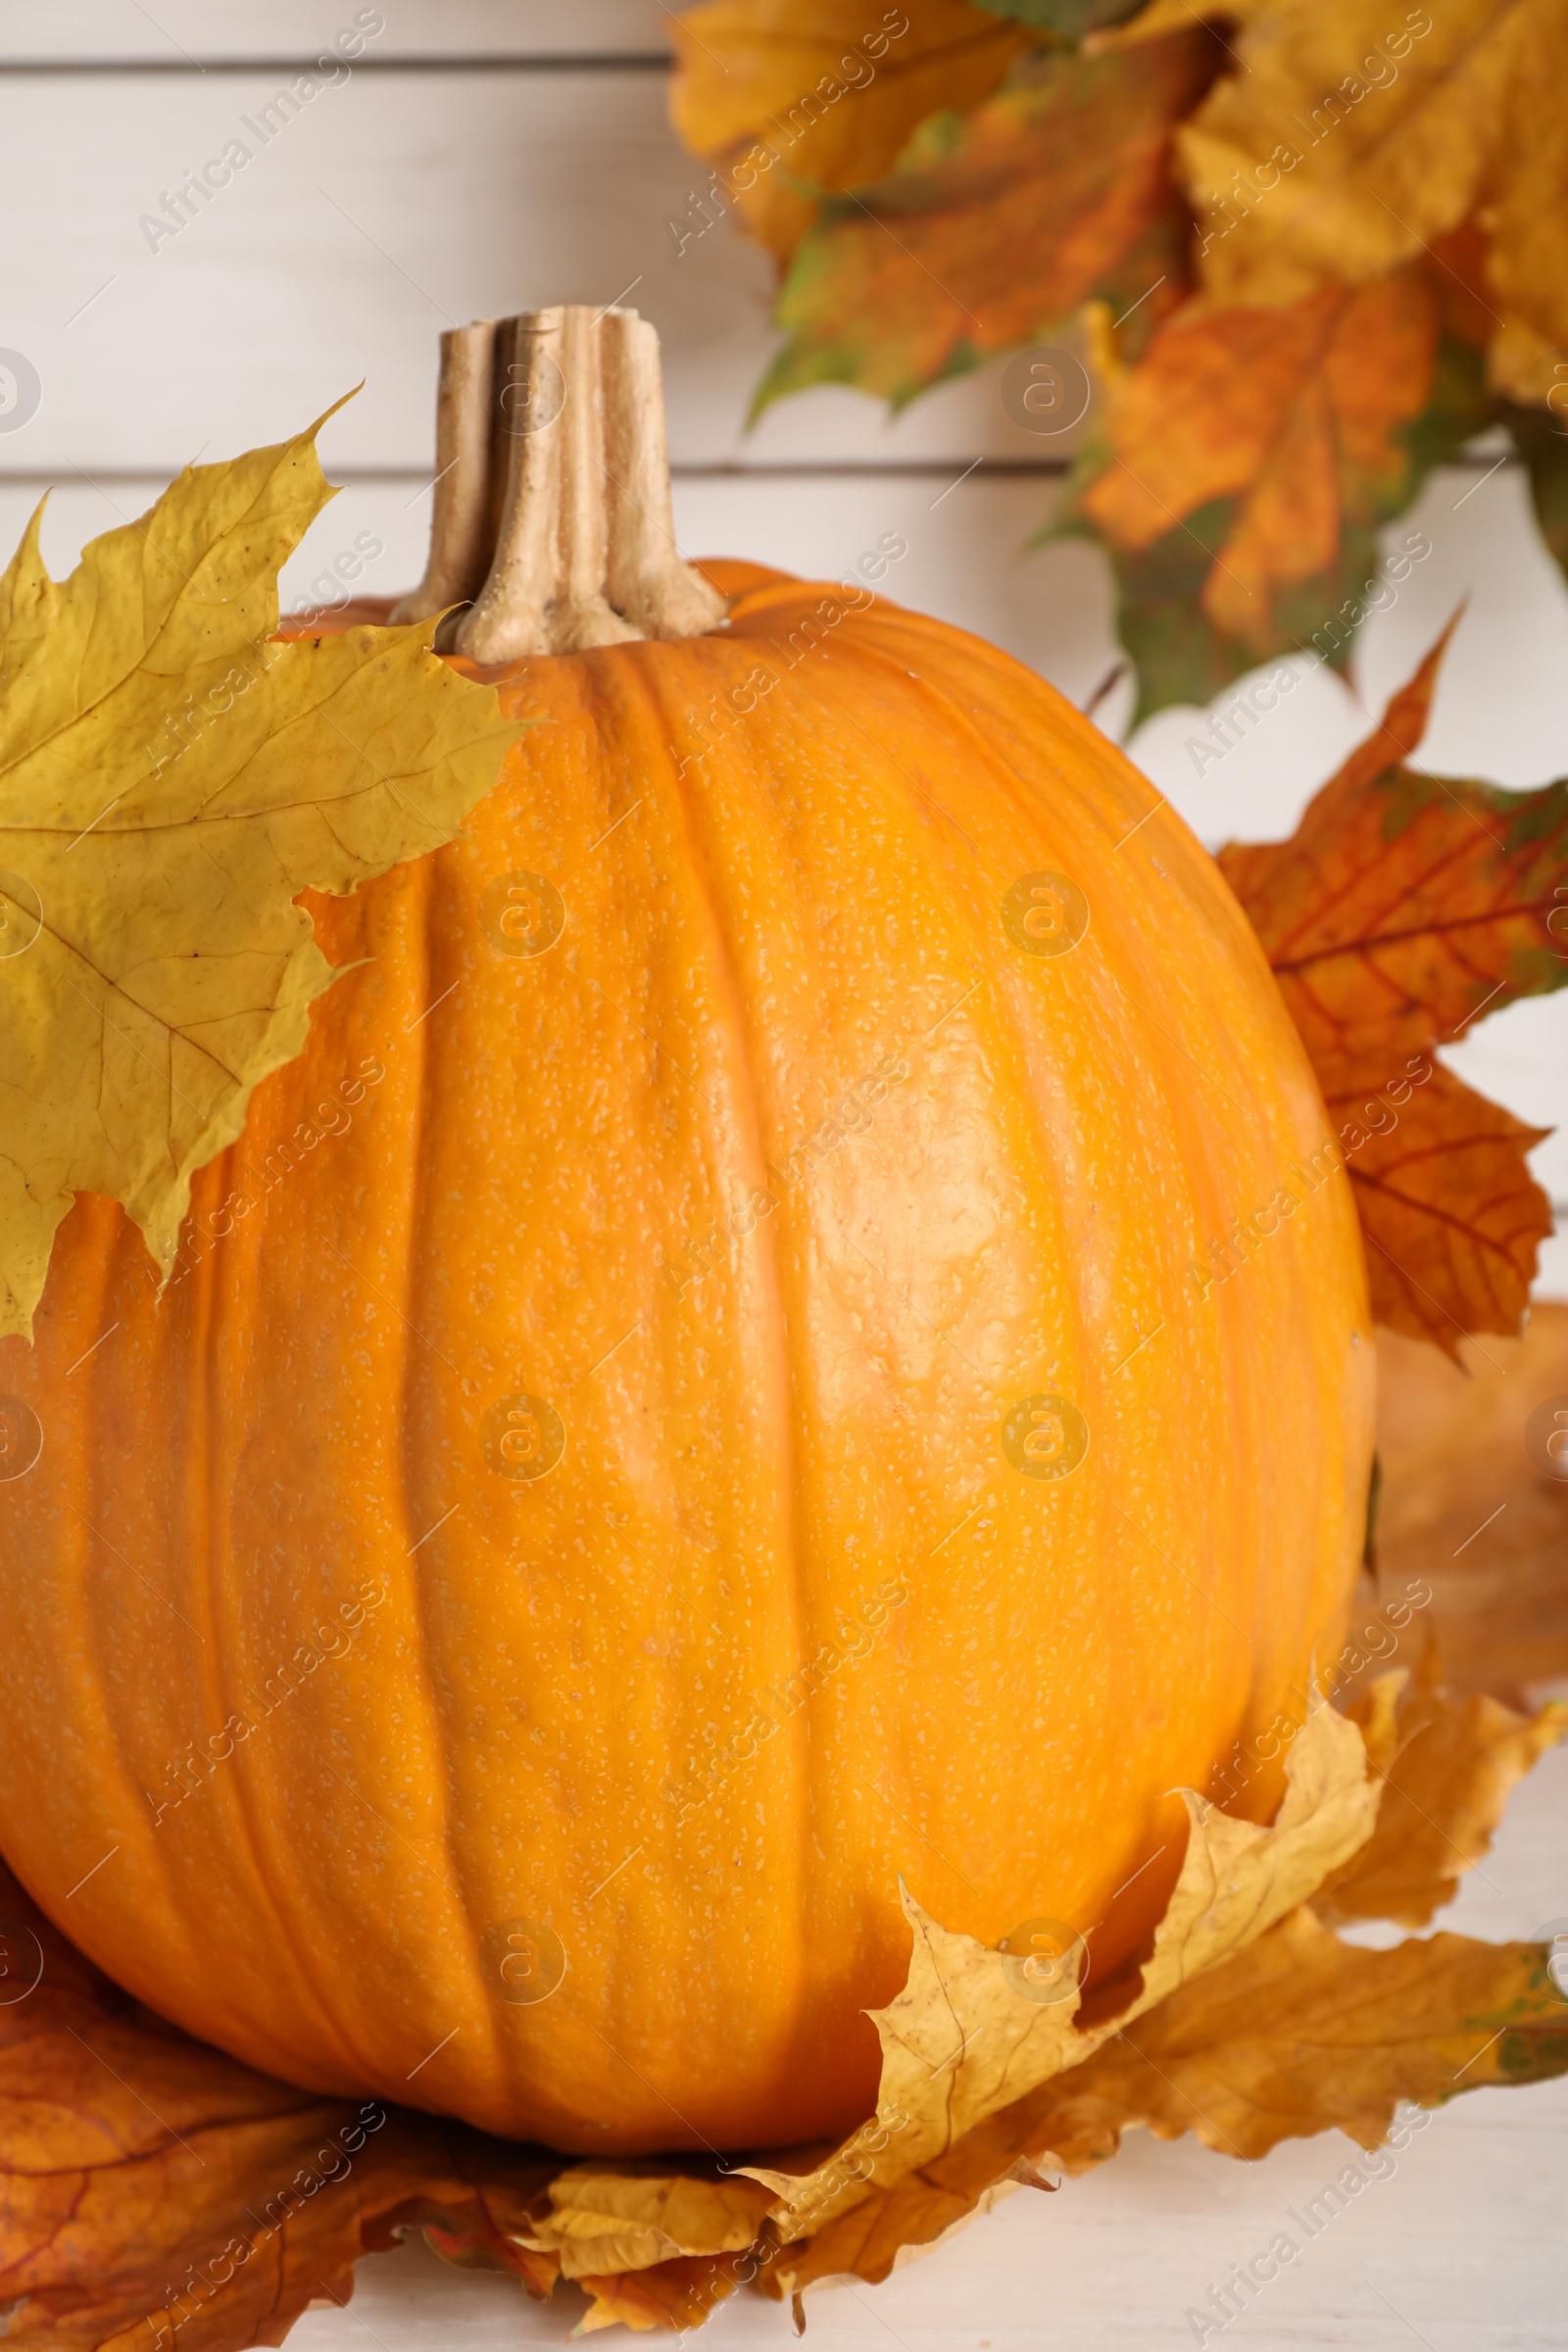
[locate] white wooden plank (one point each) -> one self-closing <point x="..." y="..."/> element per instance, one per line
<point x="1459" y="2246"/>
<point x="171" y="30"/>
<point x="386" y="207"/>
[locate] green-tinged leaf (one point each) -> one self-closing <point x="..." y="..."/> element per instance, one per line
<point x="1460" y="407"/>
<point x="1541" y="436"/>
<point x="992" y="232"/>
<point x="1302" y="2032"/>
<point x="786" y="99"/>
<point x="1275" y="443"/>
<point x="1069" y="20"/>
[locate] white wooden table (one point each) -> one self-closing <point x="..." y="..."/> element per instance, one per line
<point x="487" y="155"/>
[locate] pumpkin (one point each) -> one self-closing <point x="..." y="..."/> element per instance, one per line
<point x="713" y="1384"/>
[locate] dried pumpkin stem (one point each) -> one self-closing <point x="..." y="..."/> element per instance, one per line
<point x="461" y="528"/>
<point x="552" y="525"/>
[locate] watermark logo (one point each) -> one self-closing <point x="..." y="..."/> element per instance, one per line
<point x="189" y="1773"/>
<point x="1043" y="1961"/>
<point x="532" y="396"/>
<point x="1554" y="1935"/>
<point x="20" y="915"/>
<point x="21" y="1438"/>
<point x="1045" y="914"/>
<point x="525" y="1962"/>
<point x="856" y="70"/>
<point x="522" y="914"/>
<point x="188" y="199"/>
<point x="1046" y="391"/>
<point x="1557" y="397"/>
<point x="1546" y="1436"/>
<point x="21" y="391"/>
<point x="522" y="1437"/>
<point x="1044" y="1436"/>
<point x="20" y="1963"/>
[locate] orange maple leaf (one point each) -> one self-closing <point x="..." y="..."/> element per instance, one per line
<point x="789" y="99"/>
<point x="1403" y="907"/>
<point x="994" y="229"/>
<point x="154" y="2192"/>
<point x="1291" y="418"/>
<point x="1452" y="1216"/>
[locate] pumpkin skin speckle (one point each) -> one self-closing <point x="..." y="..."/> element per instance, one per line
<point x="724" y="1419"/>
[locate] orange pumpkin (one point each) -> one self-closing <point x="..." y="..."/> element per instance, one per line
<point x="707" y="1389"/>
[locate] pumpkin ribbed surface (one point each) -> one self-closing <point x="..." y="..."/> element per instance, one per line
<point x="690" y="1403"/>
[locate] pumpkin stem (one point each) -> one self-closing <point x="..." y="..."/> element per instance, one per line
<point x="551" y="528"/>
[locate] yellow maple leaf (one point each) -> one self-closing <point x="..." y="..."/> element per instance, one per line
<point x="1298" y="2033"/>
<point x="1301" y="2033"/>
<point x="1354" y="136"/>
<point x="788" y="97"/>
<point x="171" y="777"/>
<point x="1446" y="1767"/>
<point x="607" y="2218"/>
<point x="964" y="2041"/>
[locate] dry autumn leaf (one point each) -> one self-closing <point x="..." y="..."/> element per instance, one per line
<point x="788" y="98"/>
<point x="608" y="2218"/>
<point x="995" y="229"/>
<point x="1304" y="2033"/>
<point x="158" y="2193"/>
<point x="1446" y="1767"/>
<point x="1474" y="1501"/>
<point x="171" y="777"/>
<point x="1451" y="1215"/>
<point x="1297" y="2034"/>
<point x="1344" y="147"/>
<point x="1404" y="902"/>
<point x="968" y="2036"/>
<point x="676" y="2294"/>
<point x="1241" y="470"/>
<point x="1403" y="906"/>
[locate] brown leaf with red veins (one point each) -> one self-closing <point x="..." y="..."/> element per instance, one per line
<point x="1403" y="907"/>
<point x="155" y="2192"/>
<point x="995" y="229"/>
<point x="1404" y="903"/>
<point x="1452" y="1216"/>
